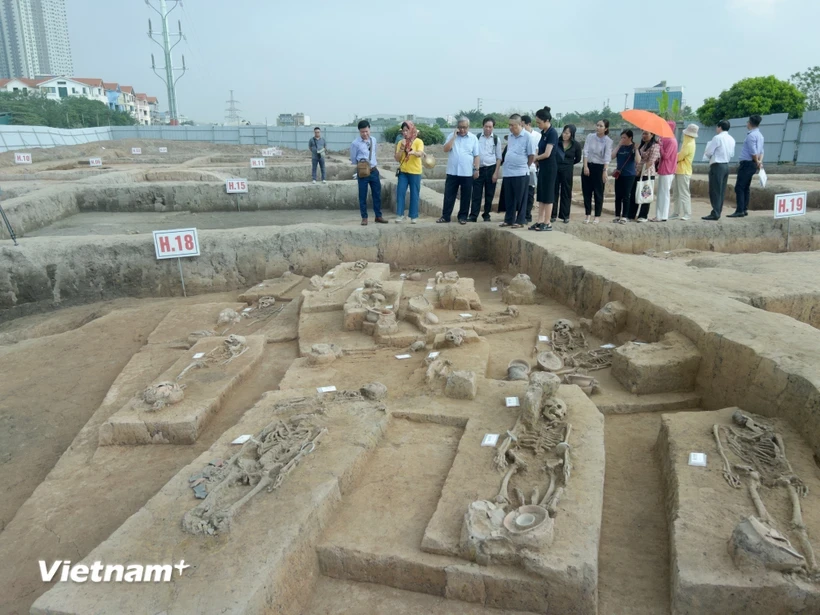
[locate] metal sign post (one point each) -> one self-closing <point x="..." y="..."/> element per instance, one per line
<point x="178" y="244"/>
<point x="237" y="186"/>
<point x="788" y="206"/>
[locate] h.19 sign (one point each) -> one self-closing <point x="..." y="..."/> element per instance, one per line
<point x="257" y="163"/>
<point x="234" y="186"/>
<point x="95" y="162"/>
<point x="789" y="205"/>
<point x="178" y="243"/>
<point x="136" y="151"/>
<point x="20" y="158"/>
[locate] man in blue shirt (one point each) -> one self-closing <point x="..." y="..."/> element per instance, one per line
<point x="462" y="168"/>
<point x="516" y="168"/>
<point x="363" y="148"/>
<point x="751" y="159"/>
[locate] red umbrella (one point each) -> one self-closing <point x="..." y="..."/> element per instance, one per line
<point x="646" y="120"/>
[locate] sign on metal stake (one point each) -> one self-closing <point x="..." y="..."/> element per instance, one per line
<point x="178" y="244"/>
<point x="788" y="206"/>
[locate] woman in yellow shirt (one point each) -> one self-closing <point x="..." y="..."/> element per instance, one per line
<point x="682" y="207"/>
<point x="409" y="153"/>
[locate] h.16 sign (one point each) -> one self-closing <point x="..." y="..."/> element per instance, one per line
<point x="177" y="243"/>
<point x="234" y="186"/>
<point x="20" y="158"/>
<point x="789" y="205"/>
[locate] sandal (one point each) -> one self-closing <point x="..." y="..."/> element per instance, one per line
<point x="517" y="226"/>
<point x="622" y="221"/>
<point x="505" y="224"/>
<point x="596" y="220"/>
<point x="586" y="220"/>
<point x="654" y="220"/>
<point x="442" y="221"/>
<point x="545" y="227"/>
<point x="533" y="227"/>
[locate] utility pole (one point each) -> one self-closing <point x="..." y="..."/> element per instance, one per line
<point x="232" y="112"/>
<point x="479" y="104"/>
<point x="165" y="42"/>
<point x="626" y="97"/>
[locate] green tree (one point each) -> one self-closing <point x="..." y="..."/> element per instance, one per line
<point x="588" y="119"/>
<point x="36" y="109"/>
<point x="441" y="122"/>
<point x="808" y="82"/>
<point x="476" y="118"/>
<point x="756" y="95"/>
<point x="667" y="111"/>
<point x="430" y="135"/>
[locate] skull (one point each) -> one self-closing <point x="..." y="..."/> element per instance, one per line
<point x="562" y="325"/>
<point x="233" y="342"/>
<point x="455" y="336"/>
<point x="266" y="302"/>
<point x="512" y="311"/>
<point x="555" y="409"/>
<point x="371" y="283"/>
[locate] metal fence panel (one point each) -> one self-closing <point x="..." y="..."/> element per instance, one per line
<point x="808" y="149"/>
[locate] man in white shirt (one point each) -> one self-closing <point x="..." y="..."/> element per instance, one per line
<point x="462" y="168"/>
<point x="719" y="152"/>
<point x="535" y="137"/>
<point x="489" y="147"/>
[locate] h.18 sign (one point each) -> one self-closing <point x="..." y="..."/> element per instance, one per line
<point x="234" y="186"/>
<point x="177" y="243"/>
<point x="789" y="205"/>
<point x="20" y="158"/>
<point x="257" y="163"/>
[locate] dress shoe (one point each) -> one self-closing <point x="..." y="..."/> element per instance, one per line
<point x="485" y="217"/>
<point x="737" y="214"/>
<point x="382" y="221"/>
<point x="745" y="213"/>
<point x="711" y="216"/>
<point x="364" y="221"/>
<point x="471" y="219"/>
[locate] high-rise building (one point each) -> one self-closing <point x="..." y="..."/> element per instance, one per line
<point x="34" y="39"/>
<point x="649" y="98"/>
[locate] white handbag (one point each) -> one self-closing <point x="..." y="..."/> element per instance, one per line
<point x="645" y="188"/>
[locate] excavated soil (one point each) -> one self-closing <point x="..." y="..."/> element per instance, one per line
<point x="753" y="318"/>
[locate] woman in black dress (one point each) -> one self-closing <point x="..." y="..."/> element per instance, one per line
<point x="547" y="161"/>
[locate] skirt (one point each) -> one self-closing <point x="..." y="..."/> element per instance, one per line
<point x="545" y="189"/>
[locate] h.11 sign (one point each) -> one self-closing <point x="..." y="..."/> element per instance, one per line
<point x="234" y="186"/>
<point x="790" y="205"/>
<point x="257" y="163"/>
<point x="178" y="243"/>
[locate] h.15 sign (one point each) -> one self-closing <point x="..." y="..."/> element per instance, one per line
<point x="20" y="158"/>
<point x="790" y="205"/>
<point x="234" y="186"/>
<point x="178" y="243"/>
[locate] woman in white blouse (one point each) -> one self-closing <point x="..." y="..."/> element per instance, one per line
<point x="597" y="156"/>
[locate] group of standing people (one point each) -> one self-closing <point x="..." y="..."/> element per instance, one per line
<point x="537" y="167"/>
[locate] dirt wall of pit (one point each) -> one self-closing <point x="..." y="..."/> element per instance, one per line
<point x="43" y="273"/>
<point x="35" y="210"/>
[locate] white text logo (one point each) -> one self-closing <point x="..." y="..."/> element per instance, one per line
<point x="110" y="573"/>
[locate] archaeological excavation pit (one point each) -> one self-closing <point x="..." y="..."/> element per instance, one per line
<point x="429" y="418"/>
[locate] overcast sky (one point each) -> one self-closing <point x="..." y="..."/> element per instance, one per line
<point x="332" y="59"/>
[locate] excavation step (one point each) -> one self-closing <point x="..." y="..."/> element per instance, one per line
<point x="209" y="371"/>
<point x="265" y="561"/>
